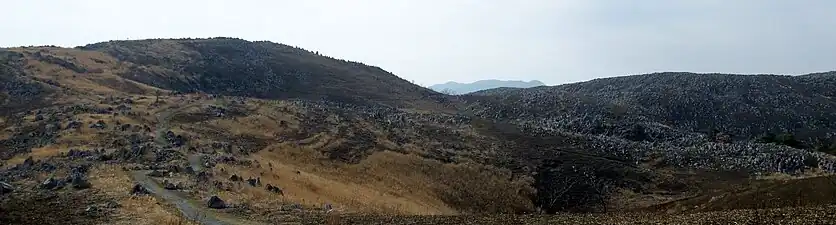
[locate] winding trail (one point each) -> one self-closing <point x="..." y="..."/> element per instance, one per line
<point x="196" y="162"/>
<point x="191" y="209"/>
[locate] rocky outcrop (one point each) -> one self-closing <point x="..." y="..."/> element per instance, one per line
<point x="52" y="183"/>
<point x="138" y="189"/>
<point x="80" y="182"/>
<point x="274" y="189"/>
<point x="255" y="182"/>
<point x="172" y="186"/>
<point x="6" y="188"/>
<point x="216" y="203"/>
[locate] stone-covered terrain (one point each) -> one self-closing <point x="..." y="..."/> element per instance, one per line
<point x="227" y="131"/>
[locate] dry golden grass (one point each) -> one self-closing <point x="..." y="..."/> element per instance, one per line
<point x="333" y="218"/>
<point x="466" y="185"/>
<point x="135" y="210"/>
<point x="760" y="194"/>
<point x="783" y="176"/>
<point x="5" y="132"/>
<point x="102" y="80"/>
<point x="37" y="154"/>
<point x="315" y="188"/>
<point x="385" y="182"/>
<point x="80" y="140"/>
<point x="255" y="125"/>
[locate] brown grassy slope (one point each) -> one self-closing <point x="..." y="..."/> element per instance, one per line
<point x="81" y="72"/>
<point x="431" y="174"/>
<point x="404" y="184"/>
<point x="437" y="187"/>
<point x="757" y="194"/>
<point x="86" y="73"/>
<point x="386" y="183"/>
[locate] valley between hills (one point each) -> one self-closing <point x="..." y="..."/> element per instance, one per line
<point x="229" y="131"/>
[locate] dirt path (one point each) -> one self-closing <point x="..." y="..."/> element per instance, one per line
<point x="188" y="208"/>
<point x="196" y="162"/>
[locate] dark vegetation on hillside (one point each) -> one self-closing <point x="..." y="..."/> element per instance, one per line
<point x="17" y="93"/>
<point x="260" y="69"/>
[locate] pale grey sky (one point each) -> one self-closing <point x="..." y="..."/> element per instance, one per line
<point x="433" y="41"/>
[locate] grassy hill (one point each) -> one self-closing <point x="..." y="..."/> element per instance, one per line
<point x="266" y="70"/>
<point x="331" y="131"/>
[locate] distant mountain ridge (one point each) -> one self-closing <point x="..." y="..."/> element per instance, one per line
<point x="464" y="88"/>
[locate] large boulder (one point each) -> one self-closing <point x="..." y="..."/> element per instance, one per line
<point x="92" y="211"/>
<point x="216" y="203"/>
<point x="124" y="127"/>
<point x="274" y="189"/>
<point x="190" y="170"/>
<point x="75" y="154"/>
<point x="254" y="182"/>
<point x="74" y="125"/>
<point x="6" y="188"/>
<point x="99" y="125"/>
<point x="27" y="163"/>
<point x="204" y="176"/>
<point x="80" y="182"/>
<point x="170" y="186"/>
<point x="235" y="178"/>
<point x="52" y="183"/>
<point x="138" y="189"/>
<point x="175" y="140"/>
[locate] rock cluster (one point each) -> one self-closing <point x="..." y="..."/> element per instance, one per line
<point x="274" y="189"/>
<point x="138" y="189"/>
<point x="6" y="188"/>
<point x="215" y="202"/>
<point x="673" y="116"/>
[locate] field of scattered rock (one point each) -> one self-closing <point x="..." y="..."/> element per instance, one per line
<point x="263" y="133"/>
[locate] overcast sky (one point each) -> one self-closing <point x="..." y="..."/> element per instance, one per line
<point x="433" y="41"/>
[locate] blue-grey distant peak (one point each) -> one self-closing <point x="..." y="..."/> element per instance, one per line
<point x="464" y="88"/>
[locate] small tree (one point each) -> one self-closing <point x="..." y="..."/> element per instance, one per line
<point x="157" y="94"/>
<point x="570" y="187"/>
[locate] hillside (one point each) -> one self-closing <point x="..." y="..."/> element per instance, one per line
<point x="680" y="112"/>
<point x="743" y="106"/>
<point x="284" y="135"/>
<point x="81" y="114"/>
<point x="265" y="70"/>
<point x="465" y="88"/>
